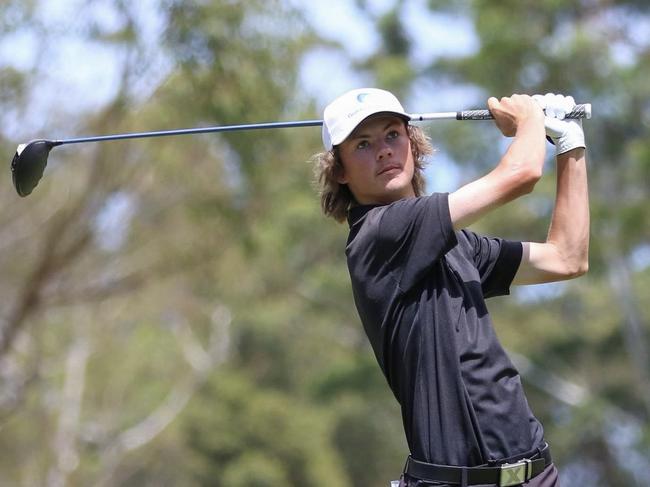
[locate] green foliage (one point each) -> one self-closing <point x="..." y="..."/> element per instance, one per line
<point x="246" y="434"/>
<point x="228" y="290"/>
<point x="11" y="86"/>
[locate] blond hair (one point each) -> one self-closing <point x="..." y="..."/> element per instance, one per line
<point x="336" y="199"/>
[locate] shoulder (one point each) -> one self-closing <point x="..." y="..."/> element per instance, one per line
<point x="424" y="217"/>
<point x="432" y="207"/>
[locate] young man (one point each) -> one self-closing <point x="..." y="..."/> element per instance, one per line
<point x="420" y="279"/>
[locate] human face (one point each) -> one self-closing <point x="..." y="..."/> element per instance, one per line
<point x="377" y="161"/>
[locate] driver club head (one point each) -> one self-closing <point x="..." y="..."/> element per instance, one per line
<point x="29" y="163"/>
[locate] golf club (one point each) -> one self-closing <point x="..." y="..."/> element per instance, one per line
<point x="29" y="162"/>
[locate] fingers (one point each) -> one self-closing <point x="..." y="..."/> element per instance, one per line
<point x="555" y="106"/>
<point x="514" y="100"/>
<point x="565" y="134"/>
<point x="514" y="105"/>
<point x="506" y="106"/>
<point x="541" y="100"/>
<point x="510" y="111"/>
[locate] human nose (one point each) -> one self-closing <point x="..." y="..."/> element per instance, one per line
<point x="384" y="151"/>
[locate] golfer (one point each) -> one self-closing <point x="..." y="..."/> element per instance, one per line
<point x="420" y="277"/>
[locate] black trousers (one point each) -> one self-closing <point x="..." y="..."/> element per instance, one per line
<point x="548" y="478"/>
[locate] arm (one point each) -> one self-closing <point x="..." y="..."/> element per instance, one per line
<point x="564" y="255"/>
<point x="519" y="168"/>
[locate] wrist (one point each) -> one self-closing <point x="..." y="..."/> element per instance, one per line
<point x="572" y="138"/>
<point x="576" y="154"/>
<point x="531" y="128"/>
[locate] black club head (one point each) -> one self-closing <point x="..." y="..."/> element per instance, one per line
<point x="29" y="163"/>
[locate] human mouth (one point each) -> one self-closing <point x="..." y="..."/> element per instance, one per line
<point x="389" y="168"/>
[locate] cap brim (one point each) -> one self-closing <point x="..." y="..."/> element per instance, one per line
<point x="362" y="117"/>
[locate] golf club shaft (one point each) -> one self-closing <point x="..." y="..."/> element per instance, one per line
<point x="200" y="130"/>
<point x="580" y="111"/>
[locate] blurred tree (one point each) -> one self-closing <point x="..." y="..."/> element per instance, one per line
<point x="283" y="276"/>
<point x="177" y="312"/>
<point x="91" y="293"/>
<point x="139" y="268"/>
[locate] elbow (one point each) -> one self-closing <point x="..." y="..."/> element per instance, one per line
<point x="524" y="179"/>
<point x="577" y="269"/>
<point x="523" y="172"/>
<point x="582" y="269"/>
<point x="529" y="180"/>
<point x="579" y="264"/>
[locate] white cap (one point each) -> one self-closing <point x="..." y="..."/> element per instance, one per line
<point x="343" y="115"/>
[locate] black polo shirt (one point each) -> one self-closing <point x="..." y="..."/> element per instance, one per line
<point x="420" y="290"/>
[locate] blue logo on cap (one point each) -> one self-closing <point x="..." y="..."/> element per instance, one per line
<point x="361" y="97"/>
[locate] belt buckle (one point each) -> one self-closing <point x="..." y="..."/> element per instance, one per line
<point x="515" y="473"/>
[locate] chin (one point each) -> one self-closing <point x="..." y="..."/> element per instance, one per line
<point x="399" y="186"/>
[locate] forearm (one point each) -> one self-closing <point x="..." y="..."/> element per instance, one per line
<point x="516" y="174"/>
<point x="565" y="253"/>
<point x="569" y="228"/>
<point x="525" y="157"/>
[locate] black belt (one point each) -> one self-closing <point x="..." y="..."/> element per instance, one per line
<point x="512" y="473"/>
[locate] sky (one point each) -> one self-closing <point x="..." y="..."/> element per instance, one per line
<point x="338" y="20"/>
<point x="325" y="73"/>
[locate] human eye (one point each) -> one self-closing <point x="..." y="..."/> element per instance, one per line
<point x="362" y="144"/>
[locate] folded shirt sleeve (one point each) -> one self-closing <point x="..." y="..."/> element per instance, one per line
<point x="497" y="261"/>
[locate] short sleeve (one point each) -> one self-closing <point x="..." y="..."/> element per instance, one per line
<point x="413" y="234"/>
<point x="497" y="261"/>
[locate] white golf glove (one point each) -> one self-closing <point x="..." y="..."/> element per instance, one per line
<point x="565" y="134"/>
